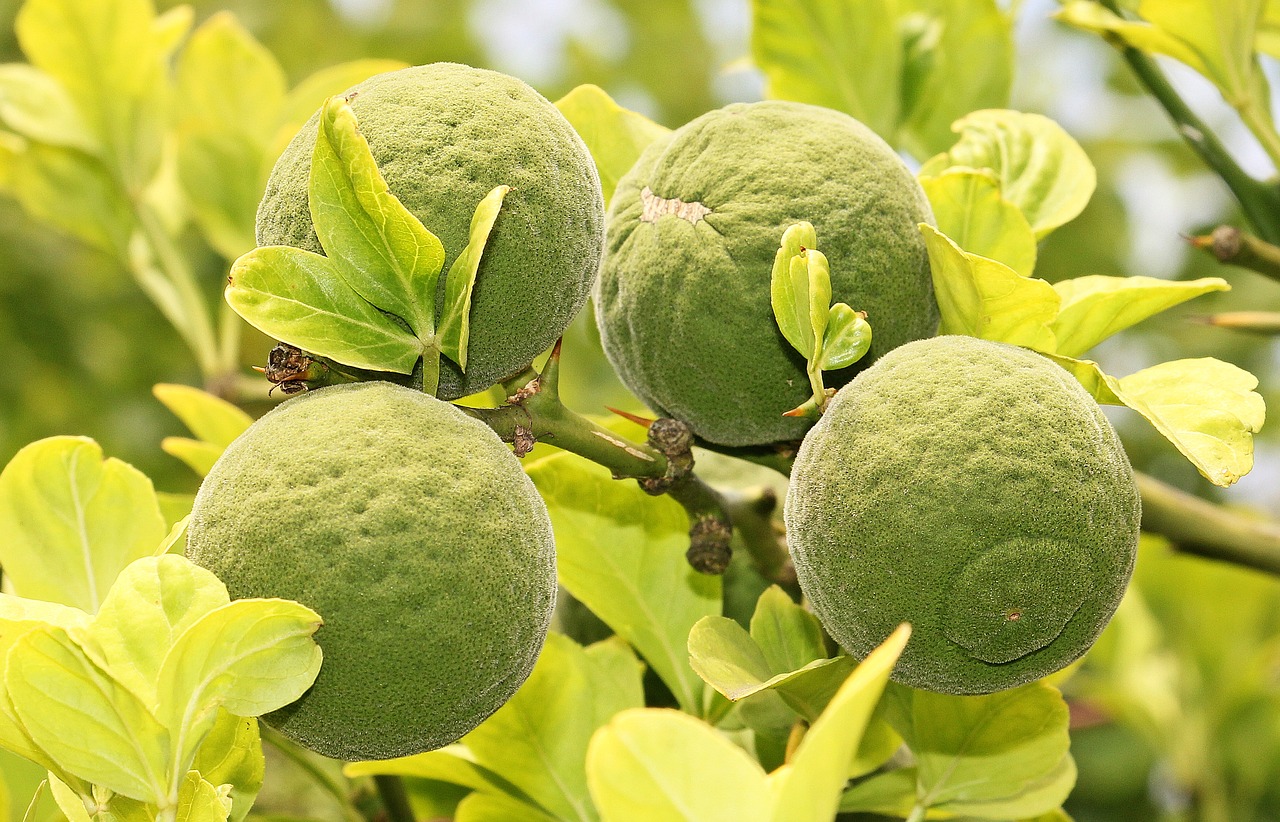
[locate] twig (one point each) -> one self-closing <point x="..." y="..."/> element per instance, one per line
<point x="752" y="513"/>
<point x="1195" y="526"/>
<point x="1231" y="245"/>
<point x="394" y="799"/>
<point x="298" y="757"/>
<point x="1260" y="201"/>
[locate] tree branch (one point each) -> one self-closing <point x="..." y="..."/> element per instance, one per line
<point x="1231" y="245"/>
<point x="1196" y="526"/>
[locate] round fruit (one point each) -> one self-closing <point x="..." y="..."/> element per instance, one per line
<point x="414" y="533"/>
<point x="444" y="135"/>
<point x="972" y="489"/>
<point x="683" y="300"/>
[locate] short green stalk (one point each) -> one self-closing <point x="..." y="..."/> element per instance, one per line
<point x="394" y="798"/>
<point x="326" y="782"/>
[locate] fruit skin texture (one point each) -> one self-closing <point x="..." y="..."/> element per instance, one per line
<point x="683" y="302"/>
<point x="444" y="135"/>
<point x="972" y="489"/>
<point x="414" y="533"/>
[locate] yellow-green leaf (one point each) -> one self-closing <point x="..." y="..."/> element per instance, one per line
<point x="232" y="755"/>
<point x="73" y="521"/>
<point x="666" y="766"/>
<point x="71" y="190"/>
<point x="198" y="456"/>
<point x="809" y="786"/>
<point x="300" y="298"/>
<point x="455" y="320"/>
<point x="1041" y="169"/>
<point x="36" y="106"/>
<point x="249" y="657"/>
<point x="615" y="136"/>
<point x="846" y="340"/>
<point x="983" y="298"/>
<point x="789" y="290"/>
<point x="968" y="208"/>
<point x="1095" y="307"/>
<point x="151" y="603"/>
<point x="200" y="801"/>
<point x="212" y="419"/>
<point x="378" y="247"/>
<point x="89" y="723"/>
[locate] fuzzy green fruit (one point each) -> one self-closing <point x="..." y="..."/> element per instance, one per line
<point x="444" y="135"/>
<point x="414" y="533"/>
<point x="683" y="300"/>
<point x="976" y="491"/>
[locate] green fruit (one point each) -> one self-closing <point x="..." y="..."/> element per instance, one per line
<point x="414" y="533"/>
<point x="444" y="135"/>
<point x="972" y="489"/>
<point x="683" y="300"/>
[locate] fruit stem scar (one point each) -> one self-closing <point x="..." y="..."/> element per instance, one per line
<point x="654" y="207"/>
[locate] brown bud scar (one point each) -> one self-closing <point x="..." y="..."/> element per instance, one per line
<point x="655" y="207"/>
<point x="1013" y="616"/>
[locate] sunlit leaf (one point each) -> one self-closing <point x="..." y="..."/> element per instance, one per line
<point x="488" y="807"/>
<point x="151" y="603"/>
<point x="72" y="521"/>
<point x="454" y="764"/>
<point x="300" y="298"/>
<point x="117" y="743"/>
<point x="789" y="636"/>
<point x="72" y="191"/>
<point x="68" y="801"/>
<point x="1214" y="37"/>
<point x="118" y="85"/>
<point x="846" y="340"/>
<point x="983" y="298"/>
<point x="663" y="765"/>
<point x="198" y="456"/>
<point x="212" y="419"/>
<point x="615" y="136"/>
<point x="968" y="208"/>
<point x="538" y="740"/>
<point x="642" y="586"/>
<point x="36" y="106"/>
<point x="230" y="92"/>
<point x="249" y="657"/>
<point x="789" y="294"/>
<point x="378" y="247"/>
<point x="455" y="320"/>
<point x="1095" y="307"/>
<point x="1041" y="169"/>
<point x="809" y="786"/>
<point x="232" y="755"/>
<point x="199" y="801"/>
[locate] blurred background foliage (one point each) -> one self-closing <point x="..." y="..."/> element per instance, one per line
<point x="1179" y="708"/>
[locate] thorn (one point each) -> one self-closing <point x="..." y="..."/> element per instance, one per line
<point x="797" y="412"/>
<point x="626" y="415"/>
<point x="1198" y="240"/>
<point x="259" y="369"/>
<point x="555" y="350"/>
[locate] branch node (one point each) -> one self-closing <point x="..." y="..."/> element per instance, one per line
<point x="709" y="551"/>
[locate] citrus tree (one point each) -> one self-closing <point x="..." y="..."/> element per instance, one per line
<point x="839" y="552"/>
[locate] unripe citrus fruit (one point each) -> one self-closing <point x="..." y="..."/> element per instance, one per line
<point x="683" y="300"/>
<point x="444" y="135"/>
<point x="414" y="533"/>
<point x="976" y="491"/>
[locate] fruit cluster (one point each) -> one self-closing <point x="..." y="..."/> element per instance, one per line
<point x="970" y="488"/>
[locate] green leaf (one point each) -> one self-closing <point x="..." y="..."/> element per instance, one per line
<point x="1041" y="169"/>
<point x="198" y="456"/>
<point x="72" y="521"/>
<point x="967" y="65"/>
<point x="151" y="604"/>
<point x="300" y="298"/>
<point x="891" y="793"/>
<point x="230" y="92"/>
<point x="1095" y="307"/>
<point x="376" y="244"/>
<point x="1214" y="37"/>
<point x="809" y="786"/>
<point x="249" y="657"/>
<point x="72" y="191"/>
<point x="968" y="208"/>
<point x="68" y="801"/>
<point x="454" y="764"/>
<point x="789" y="290"/>
<point x="660" y="765"/>
<point x="119" y="84"/>
<point x="847" y="338"/>
<point x="845" y="56"/>
<point x="307" y="97"/>
<point x="116" y="742"/>
<point x="641" y="586"/>
<point x="538" y="740"/>
<point x="789" y="636"/>
<point x="615" y="136"/>
<point x="17" y="617"/>
<point x="1207" y="408"/>
<point x="35" y="106"/>
<point x="455" y="320"/>
<point x="212" y="419"/>
<point x="232" y="755"/>
<point x="199" y="801"/>
<point x="983" y="298"/>
<point x="982" y="752"/>
<point x="487" y="807"/>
